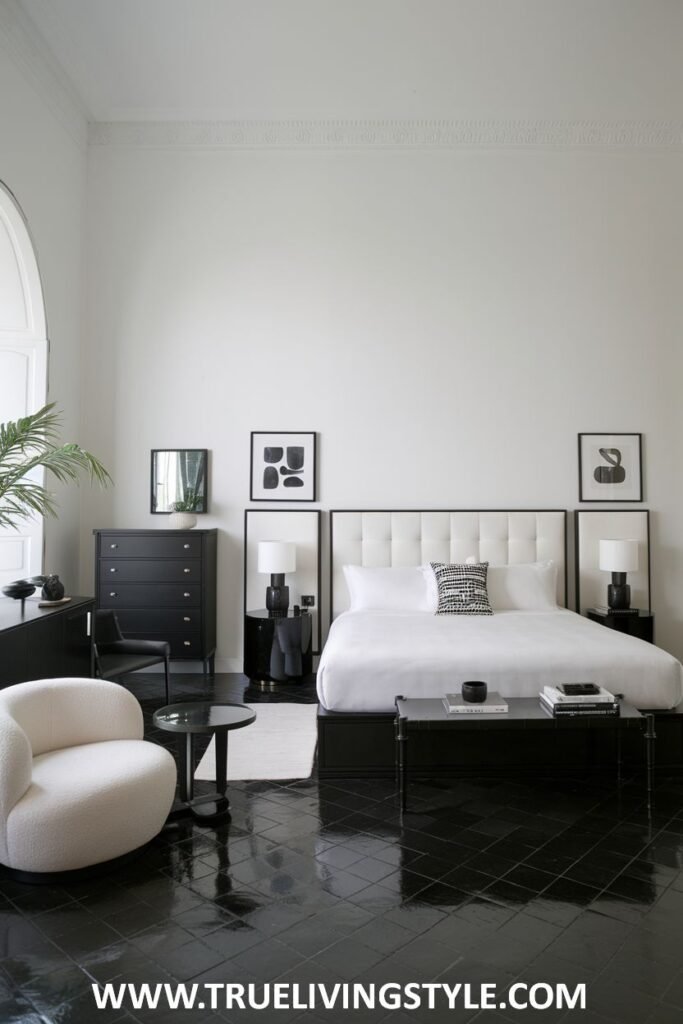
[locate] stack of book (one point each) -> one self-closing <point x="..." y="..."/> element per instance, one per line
<point x="577" y="699"/>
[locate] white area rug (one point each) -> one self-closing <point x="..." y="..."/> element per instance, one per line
<point x="280" y="744"/>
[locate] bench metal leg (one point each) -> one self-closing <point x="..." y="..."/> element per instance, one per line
<point x="402" y="743"/>
<point x="650" y="737"/>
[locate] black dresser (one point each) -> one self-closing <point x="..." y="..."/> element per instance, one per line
<point x="162" y="585"/>
<point x="45" y="643"/>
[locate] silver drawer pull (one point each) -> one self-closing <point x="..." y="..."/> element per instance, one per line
<point x="186" y="618"/>
<point x="113" y="546"/>
<point x="186" y="643"/>
<point x="186" y="546"/>
<point x="187" y="570"/>
<point x="112" y="570"/>
<point x="112" y="593"/>
<point x="186" y="594"/>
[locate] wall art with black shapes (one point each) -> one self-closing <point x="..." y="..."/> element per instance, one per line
<point x="610" y="467"/>
<point x="283" y="466"/>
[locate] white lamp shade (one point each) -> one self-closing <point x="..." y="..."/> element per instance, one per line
<point x="276" y="556"/>
<point x="619" y="555"/>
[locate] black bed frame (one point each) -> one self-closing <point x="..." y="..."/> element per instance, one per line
<point x="362" y="744"/>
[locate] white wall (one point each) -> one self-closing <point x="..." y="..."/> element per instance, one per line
<point x="43" y="162"/>
<point x="447" y="319"/>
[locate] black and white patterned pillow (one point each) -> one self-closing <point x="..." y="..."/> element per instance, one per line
<point x="462" y="589"/>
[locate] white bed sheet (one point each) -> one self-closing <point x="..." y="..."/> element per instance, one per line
<point x="372" y="656"/>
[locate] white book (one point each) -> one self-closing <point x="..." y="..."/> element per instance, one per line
<point x="557" y="697"/>
<point x="493" y="705"/>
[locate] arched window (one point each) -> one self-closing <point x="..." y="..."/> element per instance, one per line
<point x="23" y="365"/>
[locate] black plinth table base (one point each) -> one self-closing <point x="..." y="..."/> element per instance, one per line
<point x="425" y="713"/>
<point x="202" y="717"/>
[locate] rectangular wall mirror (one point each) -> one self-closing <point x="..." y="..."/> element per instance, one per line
<point x="300" y="530"/>
<point x="179" y="475"/>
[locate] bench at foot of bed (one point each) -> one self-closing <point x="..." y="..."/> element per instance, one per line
<point x="363" y="744"/>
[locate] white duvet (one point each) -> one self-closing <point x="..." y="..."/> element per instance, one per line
<point x="372" y="656"/>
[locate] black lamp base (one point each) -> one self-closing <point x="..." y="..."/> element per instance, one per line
<point x="277" y="594"/>
<point x="618" y="593"/>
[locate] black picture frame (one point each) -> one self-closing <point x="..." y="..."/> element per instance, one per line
<point x="614" y="492"/>
<point x="203" y="475"/>
<point x="578" y="514"/>
<point x="284" y="440"/>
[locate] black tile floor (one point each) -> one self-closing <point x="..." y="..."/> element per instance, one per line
<point x="491" y="881"/>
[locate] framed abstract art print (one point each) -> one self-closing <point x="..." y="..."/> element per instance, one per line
<point x="283" y="466"/>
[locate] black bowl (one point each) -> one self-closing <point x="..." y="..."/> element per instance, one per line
<point x="474" y="691"/>
<point x="19" y="589"/>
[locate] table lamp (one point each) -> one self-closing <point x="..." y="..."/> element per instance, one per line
<point x="277" y="557"/>
<point x="618" y="557"/>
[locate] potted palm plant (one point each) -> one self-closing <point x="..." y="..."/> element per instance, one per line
<point x="31" y="443"/>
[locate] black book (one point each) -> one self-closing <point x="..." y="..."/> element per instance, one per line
<point x="581" y="713"/>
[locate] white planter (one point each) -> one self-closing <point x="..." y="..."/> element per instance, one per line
<point x="182" y="520"/>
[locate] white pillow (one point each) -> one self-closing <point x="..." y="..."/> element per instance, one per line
<point x="527" y="587"/>
<point x="405" y="589"/>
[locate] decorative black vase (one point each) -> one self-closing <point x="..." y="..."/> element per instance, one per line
<point x="53" y="588"/>
<point x="474" y="691"/>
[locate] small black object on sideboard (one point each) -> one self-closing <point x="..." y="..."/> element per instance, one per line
<point x="45" y="643"/>
<point x="162" y="586"/>
<point x="635" y="623"/>
<point x="277" y="646"/>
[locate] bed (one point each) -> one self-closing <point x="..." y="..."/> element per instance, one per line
<point x="371" y="656"/>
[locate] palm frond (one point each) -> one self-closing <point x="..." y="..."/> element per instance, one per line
<point x="29" y="444"/>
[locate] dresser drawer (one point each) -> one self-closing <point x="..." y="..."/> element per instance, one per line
<point x="162" y="621"/>
<point x="149" y="570"/>
<point x="122" y="545"/>
<point x="183" y="645"/>
<point x="149" y="595"/>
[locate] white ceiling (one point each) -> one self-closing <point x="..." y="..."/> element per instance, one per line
<point x="405" y="59"/>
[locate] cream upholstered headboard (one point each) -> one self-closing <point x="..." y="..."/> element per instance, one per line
<point x="385" y="538"/>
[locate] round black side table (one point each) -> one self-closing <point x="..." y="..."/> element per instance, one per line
<point x="202" y="717"/>
<point x="277" y="647"/>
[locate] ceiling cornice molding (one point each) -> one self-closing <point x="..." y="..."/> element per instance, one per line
<point x="387" y="134"/>
<point x="23" y="43"/>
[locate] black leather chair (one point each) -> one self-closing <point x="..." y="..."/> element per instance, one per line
<point x="115" y="656"/>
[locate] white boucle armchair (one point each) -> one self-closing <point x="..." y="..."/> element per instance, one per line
<point x="78" y="784"/>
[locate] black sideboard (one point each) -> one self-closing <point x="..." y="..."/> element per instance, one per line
<point x="162" y="586"/>
<point x="45" y="643"/>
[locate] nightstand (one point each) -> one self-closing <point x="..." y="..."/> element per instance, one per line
<point x="641" y="625"/>
<point x="277" y="647"/>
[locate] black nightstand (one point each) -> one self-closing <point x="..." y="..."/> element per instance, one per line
<point x="277" y="648"/>
<point x="641" y="625"/>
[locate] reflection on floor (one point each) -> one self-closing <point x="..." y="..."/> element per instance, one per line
<point x="484" y="881"/>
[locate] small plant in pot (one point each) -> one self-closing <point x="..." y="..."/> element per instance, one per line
<point x="183" y="516"/>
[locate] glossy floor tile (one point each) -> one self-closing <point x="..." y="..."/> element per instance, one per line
<point x="497" y="881"/>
